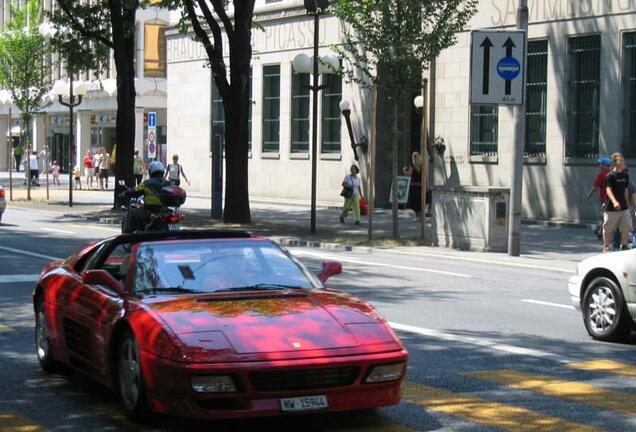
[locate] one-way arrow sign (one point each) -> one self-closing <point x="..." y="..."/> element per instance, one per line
<point x="497" y="67"/>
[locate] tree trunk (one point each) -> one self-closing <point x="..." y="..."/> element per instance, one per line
<point x="26" y="120"/>
<point x="394" y="168"/>
<point x="123" y="22"/>
<point x="236" y="108"/>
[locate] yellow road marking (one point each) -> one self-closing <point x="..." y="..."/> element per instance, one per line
<point x="95" y="227"/>
<point x="486" y="412"/>
<point x="578" y="392"/>
<point x="14" y="422"/>
<point x="4" y="328"/>
<point x="121" y="418"/>
<point x="609" y="366"/>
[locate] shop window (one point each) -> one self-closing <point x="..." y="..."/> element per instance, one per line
<point x="271" y="109"/>
<point x="536" y="97"/>
<point x="629" y="87"/>
<point x="300" y="113"/>
<point x="218" y="117"/>
<point x="484" y="121"/>
<point x="584" y="63"/>
<point x="154" y="50"/>
<point x="331" y="97"/>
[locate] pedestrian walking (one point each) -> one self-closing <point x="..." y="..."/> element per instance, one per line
<point x="96" y="167"/>
<point x="174" y="172"/>
<point x="34" y="168"/>
<point x="104" y="167"/>
<point x="351" y="192"/>
<point x="55" y="171"/>
<point x="616" y="216"/>
<point x="415" y="192"/>
<point x="17" y="155"/>
<point x="139" y="167"/>
<point x="604" y="165"/>
<point x="89" y="171"/>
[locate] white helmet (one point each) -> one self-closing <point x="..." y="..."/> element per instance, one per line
<point x="154" y="167"/>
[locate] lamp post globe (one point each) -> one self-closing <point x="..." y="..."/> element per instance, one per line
<point x="345" y="105"/>
<point x="302" y="63"/>
<point x="418" y="101"/>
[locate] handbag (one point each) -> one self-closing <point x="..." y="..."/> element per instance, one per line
<point x="347" y="192"/>
<point x="364" y="209"/>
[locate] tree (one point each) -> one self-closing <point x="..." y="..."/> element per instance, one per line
<point x="24" y="70"/>
<point x="388" y="43"/>
<point x="210" y="21"/>
<point x="88" y="32"/>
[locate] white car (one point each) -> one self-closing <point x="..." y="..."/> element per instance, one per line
<point x="604" y="290"/>
<point x="3" y="202"/>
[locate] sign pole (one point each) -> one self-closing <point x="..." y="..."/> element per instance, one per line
<point x="516" y="181"/>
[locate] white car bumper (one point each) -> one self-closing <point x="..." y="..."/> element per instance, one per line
<point x="574" y="287"/>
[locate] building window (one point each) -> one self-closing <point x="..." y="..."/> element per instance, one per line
<point x="300" y="113"/>
<point x="271" y="109"/>
<point x="154" y="50"/>
<point x="331" y="97"/>
<point x="218" y="117"/>
<point x="483" y="130"/>
<point x="249" y="115"/>
<point x="584" y="62"/>
<point x="536" y="96"/>
<point x="629" y="49"/>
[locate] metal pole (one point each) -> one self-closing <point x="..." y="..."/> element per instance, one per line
<point x="372" y="145"/>
<point x="46" y="155"/>
<point x="70" y="142"/>
<point x="9" y="147"/>
<point x="516" y="181"/>
<point x="424" y="167"/>
<point x="314" y="125"/>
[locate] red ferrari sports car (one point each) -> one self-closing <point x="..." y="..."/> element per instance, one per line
<point x="213" y="324"/>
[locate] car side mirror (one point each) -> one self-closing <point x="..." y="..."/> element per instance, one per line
<point x="329" y="268"/>
<point x="102" y="277"/>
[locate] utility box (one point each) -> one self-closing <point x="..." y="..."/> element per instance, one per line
<point x="470" y="217"/>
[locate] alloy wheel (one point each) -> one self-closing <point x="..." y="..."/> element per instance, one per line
<point x="602" y="309"/>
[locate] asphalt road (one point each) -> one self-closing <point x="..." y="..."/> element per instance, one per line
<point x="493" y="347"/>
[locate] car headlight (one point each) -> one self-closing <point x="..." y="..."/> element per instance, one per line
<point x="213" y="384"/>
<point x="384" y="373"/>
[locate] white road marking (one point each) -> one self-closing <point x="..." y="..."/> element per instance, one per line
<point x="57" y="230"/>
<point x="477" y="260"/>
<point x="19" y="278"/>
<point x="482" y="342"/>
<point x="375" y="264"/>
<point x="116" y="230"/>
<point x="27" y="253"/>
<point x="545" y="303"/>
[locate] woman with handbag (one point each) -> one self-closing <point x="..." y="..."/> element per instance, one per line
<point x="351" y="193"/>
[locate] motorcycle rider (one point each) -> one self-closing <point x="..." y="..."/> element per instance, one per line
<point x="151" y="190"/>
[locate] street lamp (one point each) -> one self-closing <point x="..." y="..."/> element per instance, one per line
<point x="315" y="65"/>
<point x="73" y="91"/>
<point x="345" y="109"/>
<point x="419" y="105"/>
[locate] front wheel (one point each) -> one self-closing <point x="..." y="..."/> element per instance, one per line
<point x="42" y="341"/>
<point x="132" y="390"/>
<point x="604" y="311"/>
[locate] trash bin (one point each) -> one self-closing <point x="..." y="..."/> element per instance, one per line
<point x="470" y="217"/>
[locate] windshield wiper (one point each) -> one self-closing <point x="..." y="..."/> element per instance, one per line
<point x="260" y="286"/>
<point x="169" y="289"/>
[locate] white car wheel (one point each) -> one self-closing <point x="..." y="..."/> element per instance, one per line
<point x="604" y="312"/>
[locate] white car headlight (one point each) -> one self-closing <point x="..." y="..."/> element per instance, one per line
<point x="384" y="373"/>
<point x="213" y="384"/>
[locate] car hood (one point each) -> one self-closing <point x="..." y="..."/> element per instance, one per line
<point x="263" y="322"/>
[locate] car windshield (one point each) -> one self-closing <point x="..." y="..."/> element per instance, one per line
<point x="217" y="266"/>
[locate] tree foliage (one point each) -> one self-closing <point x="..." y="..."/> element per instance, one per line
<point x="388" y="42"/>
<point x="24" y="69"/>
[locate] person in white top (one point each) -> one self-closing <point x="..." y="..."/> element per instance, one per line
<point x="351" y="192"/>
<point x="34" y="168"/>
<point x="104" y="167"/>
<point x="174" y="171"/>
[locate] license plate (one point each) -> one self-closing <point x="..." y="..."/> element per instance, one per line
<point x="306" y="403"/>
<point x="174" y="227"/>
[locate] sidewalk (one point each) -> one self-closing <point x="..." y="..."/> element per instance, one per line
<point x="543" y="246"/>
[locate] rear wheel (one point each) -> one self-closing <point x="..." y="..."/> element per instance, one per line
<point x="604" y="311"/>
<point x="132" y="390"/>
<point x="42" y="341"/>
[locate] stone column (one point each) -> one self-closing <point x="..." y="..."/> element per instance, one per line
<point x="38" y="132"/>
<point x="139" y="130"/>
<point x="4" y="130"/>
<point x="82" y="136"/>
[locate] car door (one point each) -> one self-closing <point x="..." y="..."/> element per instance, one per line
<point x="92" y="311"/>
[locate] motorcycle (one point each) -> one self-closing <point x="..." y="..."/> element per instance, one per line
<point x="168" y="218"/>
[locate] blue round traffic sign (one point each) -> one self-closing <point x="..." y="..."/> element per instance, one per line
<point x="508" y="68"/>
